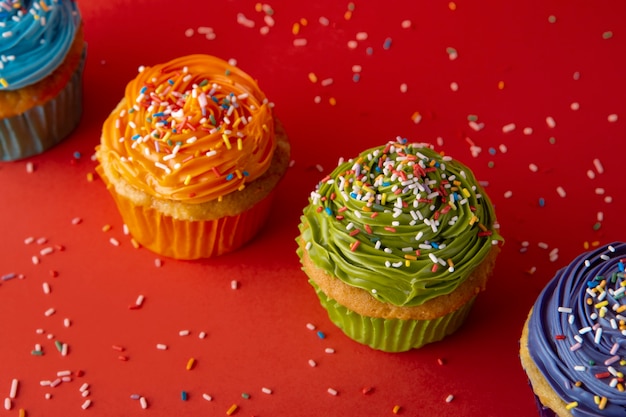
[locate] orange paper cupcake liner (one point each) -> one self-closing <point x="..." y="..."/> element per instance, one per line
<point x="186" y="239"/>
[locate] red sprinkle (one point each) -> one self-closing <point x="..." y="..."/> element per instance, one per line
<point x="602" y="375"/>
<point x="559" y="337"/>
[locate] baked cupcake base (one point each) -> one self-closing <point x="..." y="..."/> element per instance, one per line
<point x="45" y="125"/>
<point x="390" y="328"/>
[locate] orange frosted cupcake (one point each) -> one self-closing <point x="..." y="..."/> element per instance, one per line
<point x="191" y="155"/>
<point x="42" y="53"/>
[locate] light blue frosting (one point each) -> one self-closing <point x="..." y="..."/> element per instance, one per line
<point x="35" y="37"/>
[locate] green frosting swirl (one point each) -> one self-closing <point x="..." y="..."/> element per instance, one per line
<point x="400" y="221"/>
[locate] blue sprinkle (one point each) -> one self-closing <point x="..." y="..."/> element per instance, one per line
<point x="542" y="202"/>
<point x="143" y="90"/>
<point x="353" y="195"/>
<point x="328" y="211"/>
<point x="77" y="155"/>
<point x="135" y="396"/>
<point x="170" y="82"/>
<point x="492" y="151"/>
<point x="183" y="395"/>
<point x="387" y="43"/>
<point x="159" y="114"/>
<point x="246" y="174"/>
<point x="137" y="136"/>
<point x="321" y="334"/>
<point x="356" y="78"/>
<point x="9" y="276"/>
<point x="230" y="177"/>
<point x="369" y="50"/>
<point x="215" y="99"/>
<point x="620" y="266"/>
<point x="434" y="245"/>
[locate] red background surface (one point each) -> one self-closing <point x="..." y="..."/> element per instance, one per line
<point x="257" y="335"/>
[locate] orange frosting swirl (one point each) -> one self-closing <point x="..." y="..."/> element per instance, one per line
<point x="193" y="129"/>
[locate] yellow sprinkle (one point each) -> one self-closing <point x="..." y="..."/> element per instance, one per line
<point x="90" y="176"/>
<point x="452" y="6"/>
<point x="482" y="227"/>
<point x="238" y="173"/>
<point x="4" y="82"/>
<point x="332" y="101"/>
<point x="473" y="220"/>
<point x="236" y="122"/>
<point x="304" y="21"/>
<point x="603" y="402"/>
<point x="239" y="144"/>
<point x="295" y="29"/>
<point x="190" y="363"/>
<point x="265" y="128"/>
<point x="500" y="85"/>
<point x="366" y="208"/>
<point x="258" y="7"/>
<point x="22" y="413"/>
<point x="407" y="263"/>
<point x="578" y="383"/>
<point x="410" y="257"/>
<point x="596" y="399"/>
<point x="602" y="304"/>
<point x="383" y="199"/>
<point x="231" y="410"/>
<point x="571" y="405"/>
<point x="450" y="263"/>
<point x="622" y="362"/>
<point x="187" y="179"/>
<point x="44" y="6"/>
<point x="167" y="136"/>
<point x="586" y="245"/>
<point x="241" y="187"/>
<point x="106" y="227"/>
<point x="396" y="409"/>
<point x="620" y="387"/>
<point x="347" y="15"/>
<point x="135" y="244"/>
<point x="465" y="192"/>
<point x="226" y="141"/>
<point x="312" y="77"/>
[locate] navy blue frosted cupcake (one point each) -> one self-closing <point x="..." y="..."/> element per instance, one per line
<point x="573" y="346"/>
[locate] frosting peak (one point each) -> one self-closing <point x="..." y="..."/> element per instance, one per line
<point x="400" y="221"/>
<point x="35" y="37"/>
<point x="193" y="129"/>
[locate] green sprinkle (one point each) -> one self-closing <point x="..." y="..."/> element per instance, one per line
<point x="597" y="226"/>
<point x="607" y="35"/>
<point x="472" y="117"/>
<point x="245" y="395"/>
<point x="552" y="18"/>
<point x="59" y="345"/>
<point x="203" y="83"/>
<point x="351" y="6"/>
<point x="552" y="140"/>
<point x="450" y="50"/>
<point x="227" y="72"/>
<point x="36" y="352"/>
<point x="491" y="164"/>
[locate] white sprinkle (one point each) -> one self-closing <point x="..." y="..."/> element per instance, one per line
<point x="550" y="122"/>
<point x="64" y="373"/>
<point x="266" y="391"/>
<point x="183" y="333"/>
<point x="508" y="128"/>
<point x="310" y="326"/>
<point x="49" y="312"/>
<point x="352" y="44"/>
<point x="234" y="284"/>
<point x="244" y="21"/>
<point x="67" y="322"/>
<point x="46" y="251"/>
<point x="30" y="167"/>
<point x="406" y="24"/>
<point x="580" y="368"/>
<point x="454" y="86"/>
<point x="533" y="167"/>
<point x="561" y="191"/>
<point x="46" y="288"/>
<point x="47" y="396"/>
<point x="299" y="42"/>
<point x="508" y="194"/>
<point x="29" y="240"/>
<point x="312" y="363"/>
<point x="207" y="397"/>
<point x="612" y="118"/>
<point x="201" y="335"/>
<point x="566" y="310"/>
<point x="189" y="32"/>
<point x="329" y="350"/>
<point x="449" y="398"/>
<point x="332" y="391"/>
<point x="598" y="166"/>
<point x="404" y="88"/>
<point x="598" y="335"/>
<point x="125" y="229"/>
<point x="574" y="106"/>
<point x="7" y="403"/>
<point x="86" y="404"/>
<point x="324" y="21"/>
<point x="161" y="346"/>
<point x="76" y="220"/>
<point x="590" y="174"/>
<point x="143" y="402"/>
<point x="13" y="391"/>
<point x="64" y="349"/>
<point x="543" y="245"/>
<point x="114" y="241"/>
<point x="139" y="300"/>
<point x="319" y="168"/>
<point x="83" y="387"/>
<point x="158" y="263"/>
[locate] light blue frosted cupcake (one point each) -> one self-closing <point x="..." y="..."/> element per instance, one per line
<point x="42" y="54"/>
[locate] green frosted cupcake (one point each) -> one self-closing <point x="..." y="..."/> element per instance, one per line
<point x="397" y="243"/>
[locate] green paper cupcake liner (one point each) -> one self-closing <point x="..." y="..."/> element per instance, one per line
<point x="41" y="127"/>
<point x="392" y="335"/>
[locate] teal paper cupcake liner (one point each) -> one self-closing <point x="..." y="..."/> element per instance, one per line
<point x="392" y="335"/>
<point x="41" y="127"/>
